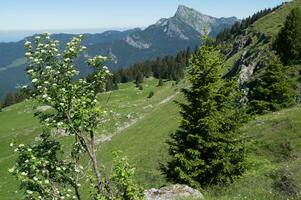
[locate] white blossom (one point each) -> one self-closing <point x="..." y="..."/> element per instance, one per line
<point x="27" y="43"/>
<point x="29" y="191"/>
<point x="34" y="80"/>
<point x="24" y="174"/>
<point x="11" y="170"/>
<point x="60" y="123"/>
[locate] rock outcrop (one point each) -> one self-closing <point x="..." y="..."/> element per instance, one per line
<point x="173" y="192"/>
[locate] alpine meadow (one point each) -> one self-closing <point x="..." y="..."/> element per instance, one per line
<point x="193" y="106"/>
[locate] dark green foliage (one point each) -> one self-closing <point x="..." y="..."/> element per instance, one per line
<point x="139" y="78"/>
<point x="115" y="86"/>
<point x="168" y="67"/>
<point x="288" y="42"/>
<point x="285" y="183"/>
<point x="13" y="98"/>
<point x="150" y="94"/>
<point x="110" y="84"/>
<point x="272" y="91"/>
<point x="239" y="27"/>
<point x="160" y="83"/>
<point x="9" y="99"/>
<point x="207" y="149"/>
<point x="44" y="156"/>
<point x="287" y="151"/>
<point x="140" y="87"/>
<point x="121" y="184"/>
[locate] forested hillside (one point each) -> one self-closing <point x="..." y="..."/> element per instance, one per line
<point x="166" y="37"/>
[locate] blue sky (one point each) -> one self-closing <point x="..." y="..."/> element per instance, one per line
<point x="84" y="14"/>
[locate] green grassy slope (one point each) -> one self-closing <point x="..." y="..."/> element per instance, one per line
<point x="254" y="46"/>
<point x="275" y="146"/>
<point x="270" y="25"/>
<point x="16" y="125"/>
<point x="135" y="121"/>
<point x="144" y="127"/>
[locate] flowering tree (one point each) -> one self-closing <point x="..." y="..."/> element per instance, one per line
<point x="74" y="112"/>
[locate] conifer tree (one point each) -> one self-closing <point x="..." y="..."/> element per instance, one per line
<point x="160" y="83"/>
<point x="207" y="149"/>
<point x="272" y="91"/>
<point x="139" y="79"/>
<point x="9" y="99"/>
<point x="288" y="42"/>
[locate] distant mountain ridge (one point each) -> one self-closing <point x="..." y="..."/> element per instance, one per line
<point x="166" y="37"/>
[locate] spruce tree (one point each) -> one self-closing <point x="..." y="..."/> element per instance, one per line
<point x="139" y="78"/>
<point x="160" y="83"/>
<point x="9" y="99"/>
<point x="288" y="42"/>
<point x="272" y="91"/>
<point x="207" y="148"/>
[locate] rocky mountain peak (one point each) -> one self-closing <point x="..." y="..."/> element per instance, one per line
<point x="201" y="22"/>
<point x="185" y="12"/>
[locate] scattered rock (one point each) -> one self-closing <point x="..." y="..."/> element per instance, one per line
<point x="258" y="123"/>
<point x="43" y="108"/>
<point x="173" y="192"/>
<point x="59" y="132"/>
<point x="148" y="106"/>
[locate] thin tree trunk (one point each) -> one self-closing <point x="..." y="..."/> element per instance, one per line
<point x="95" y="166"/>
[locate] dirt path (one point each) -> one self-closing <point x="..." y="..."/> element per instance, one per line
<point x="105" y="138"/>
<point x="168" y="99"/>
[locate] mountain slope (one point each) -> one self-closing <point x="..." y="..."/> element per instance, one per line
<point x="250" y="50"/>
<point x="166" y="37"/>
<point x="140" y="127"/>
